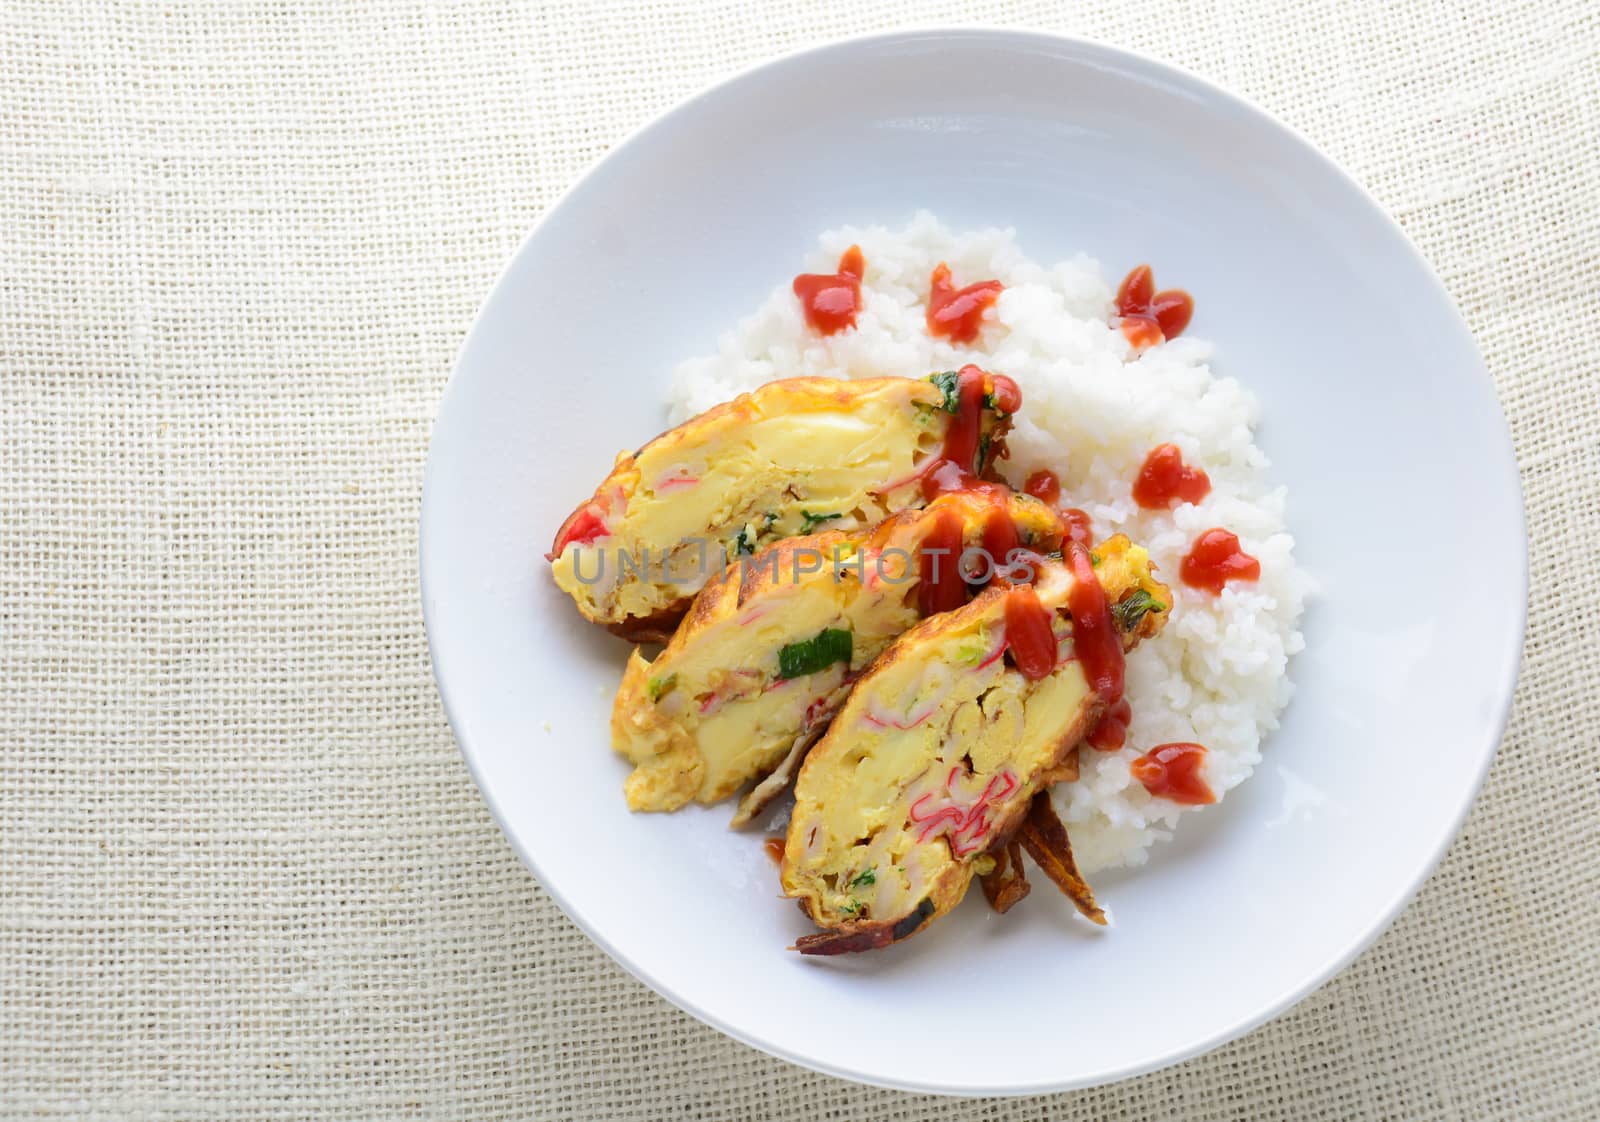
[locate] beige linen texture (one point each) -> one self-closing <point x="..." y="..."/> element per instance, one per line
<point x="243" y="872"/>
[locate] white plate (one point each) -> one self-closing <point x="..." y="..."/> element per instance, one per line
<point x="1378" y="414"/>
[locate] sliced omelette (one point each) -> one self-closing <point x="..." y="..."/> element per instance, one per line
<point x="931" y="764"/>
<point x="770" y="648"/>
<point x="791" y="458"/>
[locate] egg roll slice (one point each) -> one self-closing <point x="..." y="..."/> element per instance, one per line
<point x="769" y="650"/>
<point x="790" y="458"/>
<point x="933" y="761"/>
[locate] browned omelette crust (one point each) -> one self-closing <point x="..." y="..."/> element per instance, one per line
<point x="1044" y="836"/>
<point x="1005" y="885"/>
<point x="654" y="628"/>
<point x="805" y="393"/>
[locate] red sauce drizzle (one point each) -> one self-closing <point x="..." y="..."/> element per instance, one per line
<point x="1000" y="535"/>
<point x="582" y="527"/>
<point x="1007" y="397"/>
<point x="941" y="587"/>
<point x="774" y="848"/>
<point x="1076" y="525"/>
<point x="945" y="476"/>
<point x="831" y="300"/>
<point x="1111" y="732"/>
<point x="1094" y="637"/>
<point x="1044" y="486"/>
<point x="1172" y="771"/>
<point x="1150" y="317"/>
<point x="942" y="584"/>
<point x="1216" y="559"/>
<point x="959" y="314"/>
<point x="1029" y="635"/>
<point x="1165" y="478"/>
<point x="952" y="469"/>
<point x="962" y="436"/>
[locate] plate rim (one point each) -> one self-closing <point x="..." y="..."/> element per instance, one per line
<point x="1010" y="38"/>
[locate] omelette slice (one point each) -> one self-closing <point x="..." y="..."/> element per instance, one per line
<point x="790" y="458"/>
<point x="933" y="761"/>
<point x="769" y="650"/>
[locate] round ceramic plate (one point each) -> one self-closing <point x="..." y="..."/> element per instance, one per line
<point x="1377" y="413"/>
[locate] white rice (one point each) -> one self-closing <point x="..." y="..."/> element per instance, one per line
<point x="1091" y="412"/>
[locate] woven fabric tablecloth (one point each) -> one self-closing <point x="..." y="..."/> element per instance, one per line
<point x="243" y="871"/>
